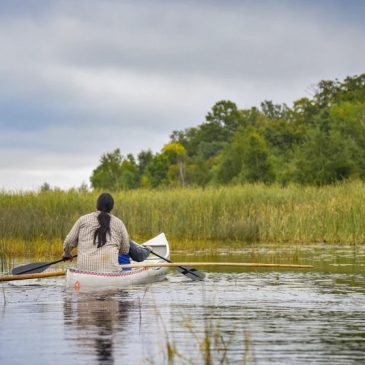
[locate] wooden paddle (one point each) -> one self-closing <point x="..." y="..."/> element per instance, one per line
<point x="36" y="267"/>
<point x="188" y="271"/>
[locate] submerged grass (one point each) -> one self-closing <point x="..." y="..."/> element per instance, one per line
<point x="251" y="213"/>
<point x="208" y="343"/>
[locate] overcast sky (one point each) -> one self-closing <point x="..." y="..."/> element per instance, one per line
<point x="81" y="78"/>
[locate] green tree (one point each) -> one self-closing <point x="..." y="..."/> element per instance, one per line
<point x="115" y="172"/>
<point x="45" y="187"/>
<point x="324" y="158"/>
<point x="318" y="140"/>
<point x="129" y="178"/>
<point x="225" y="117"/>
<point x="257" y="164"/>
<point x="199" y="170"/>
<point x="177" y="154"/>
<point x="220" y="124"/>
<point x="348" y="120"/>
<point x="156" y="172"/>
<point x="273" y="111"/>
<point x="144" y="159"/>
<point x="107" y="174"/>
<point x="247" y="158"/>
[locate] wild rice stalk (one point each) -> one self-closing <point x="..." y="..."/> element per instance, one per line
<point x="252" y="213"/>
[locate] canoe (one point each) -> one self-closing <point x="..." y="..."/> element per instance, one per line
<point x="79" y="280"/>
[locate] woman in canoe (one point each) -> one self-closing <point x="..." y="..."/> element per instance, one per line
<point x="100" y="238"/>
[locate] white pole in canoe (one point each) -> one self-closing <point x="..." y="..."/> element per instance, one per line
<point x="161" y="264"/>
<point x="238" y="264"/>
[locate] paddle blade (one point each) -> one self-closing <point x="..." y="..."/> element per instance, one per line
<point x="191" y="273"/>
<point x="188" y="271"/>
<point x="34" y="268"/>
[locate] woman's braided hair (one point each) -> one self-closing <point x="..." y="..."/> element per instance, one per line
<point x="104" y="204"/>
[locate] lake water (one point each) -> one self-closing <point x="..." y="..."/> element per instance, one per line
<point x="251" y="316"/>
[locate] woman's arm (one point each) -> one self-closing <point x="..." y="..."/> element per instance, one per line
<point x="71" y="240"/>
<point x="124" y="242"/>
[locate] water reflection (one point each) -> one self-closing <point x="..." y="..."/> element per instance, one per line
<point x="258" y="317"/>
<point x="94" y="322"/>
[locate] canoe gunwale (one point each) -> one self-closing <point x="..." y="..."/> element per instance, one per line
<point x="119" y="274"/>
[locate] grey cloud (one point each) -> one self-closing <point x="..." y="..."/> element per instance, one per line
<point x="78" y="79"/>
<point x="179" y="39"/>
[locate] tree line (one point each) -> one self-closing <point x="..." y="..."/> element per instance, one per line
<point x="319" y="140"/>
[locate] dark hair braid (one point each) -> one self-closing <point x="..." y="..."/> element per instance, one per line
<point x="104" y="204"/>
<point x="104" y="228"/>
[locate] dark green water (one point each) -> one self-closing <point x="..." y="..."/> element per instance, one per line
<point x="260" y="316"/>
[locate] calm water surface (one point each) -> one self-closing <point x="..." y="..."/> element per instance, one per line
<point x="314" y="316"/>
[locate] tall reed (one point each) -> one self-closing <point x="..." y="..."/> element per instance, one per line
<point x="247" y="213"/>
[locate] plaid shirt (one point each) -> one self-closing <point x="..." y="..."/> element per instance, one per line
<point x="89" y="256"/>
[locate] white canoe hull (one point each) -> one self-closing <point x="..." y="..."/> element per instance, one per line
<point x="80" y="280"/>
<point x="88" y="280"/>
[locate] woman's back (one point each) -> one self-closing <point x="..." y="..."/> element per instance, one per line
<point x="90" y="257"/>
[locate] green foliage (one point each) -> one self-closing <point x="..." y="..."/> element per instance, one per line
<point x="324" y="159"/>
<point x="176" y="152"/>
<point x="115" y="172"/>
<point x="256" y="162"/>
<point x="273" y="111"/>
<point x="220" y="124"/>
<point x="156" y="171"/>
<point x="317" y="141"/>
<point x="45" y="187"/>
<point x="224" y="115"/>
<point x="247" y="159"/>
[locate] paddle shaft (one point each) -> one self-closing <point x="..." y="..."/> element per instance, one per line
<point x="32" y="276"/>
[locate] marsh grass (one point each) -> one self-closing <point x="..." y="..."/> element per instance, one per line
<point x="38" y="249"/>
<point x="210" y="344"/>
<point x="213" y="216"/>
